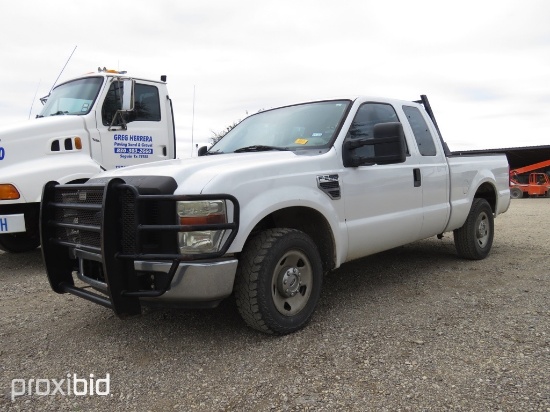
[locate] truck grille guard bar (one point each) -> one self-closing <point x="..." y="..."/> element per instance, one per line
<point x="101" y="223"/>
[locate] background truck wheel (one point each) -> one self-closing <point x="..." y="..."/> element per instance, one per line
<point x="475" y="238"/>
<point x="279" y="281"/>
<point x="516" y="193"/>
<point x="18" y="242"/>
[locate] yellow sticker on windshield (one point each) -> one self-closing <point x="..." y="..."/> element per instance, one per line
<point x="300" y="141"/>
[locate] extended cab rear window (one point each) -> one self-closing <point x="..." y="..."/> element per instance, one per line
<point x="422" y="135"/>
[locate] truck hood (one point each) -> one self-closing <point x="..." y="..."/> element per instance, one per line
<point x="214" y="173"/>
<point x="32" y="139"/>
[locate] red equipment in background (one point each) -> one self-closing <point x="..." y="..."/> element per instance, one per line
<point x="535" y="184"/>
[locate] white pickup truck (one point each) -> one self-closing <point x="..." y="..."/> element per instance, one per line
<point x="286" y="196"/>
<point x="98" y="121"/>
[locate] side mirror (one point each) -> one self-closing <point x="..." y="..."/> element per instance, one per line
<point x="127" y="105"/>
<point x="387" y="147"/>
<point x="127" y="95"/>
<point x="202" y="151"/>
<point x="390" y="146"/>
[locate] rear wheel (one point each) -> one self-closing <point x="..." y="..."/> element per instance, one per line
<point x="475" y="238"/>
<point x="516" y="193"/>
<point x="279" y="281"/>
<point x="18" y="242"/>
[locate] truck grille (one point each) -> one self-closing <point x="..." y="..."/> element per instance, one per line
<point x="118" y="220"/>
<point x="79" y="216"/>
<point x="79" y="212"/>
<point x="129" y="238"/>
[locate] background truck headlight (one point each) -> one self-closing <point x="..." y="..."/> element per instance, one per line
<point x="199" y="213"/>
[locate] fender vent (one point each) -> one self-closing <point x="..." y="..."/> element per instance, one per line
<point x="330" y="185"/>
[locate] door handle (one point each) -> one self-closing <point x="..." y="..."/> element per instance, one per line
<point x="417" y="177"/>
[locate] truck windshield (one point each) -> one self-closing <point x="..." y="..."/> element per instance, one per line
<point x="309" y="125"/>
<point x="75" y="97"/>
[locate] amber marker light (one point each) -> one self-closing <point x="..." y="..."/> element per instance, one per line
<point x="203" y="220"/>
<point x="8" y="192"/>
<point x="78" y="143"/>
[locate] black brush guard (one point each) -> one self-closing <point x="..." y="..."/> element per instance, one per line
<point x="103" y="223"/>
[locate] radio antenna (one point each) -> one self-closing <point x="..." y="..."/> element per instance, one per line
<point x="67" y="62"/>
<point x="193" y="121"/>
<point x="34" y="98"/>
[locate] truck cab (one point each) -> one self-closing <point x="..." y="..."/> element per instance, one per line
<point x="100" y="121"/>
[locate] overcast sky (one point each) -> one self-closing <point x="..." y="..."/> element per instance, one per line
<point x="485" y="65"/>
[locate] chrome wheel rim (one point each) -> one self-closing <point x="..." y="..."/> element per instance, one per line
<point x="482" y="230"/>
<point x="292" y="283"/>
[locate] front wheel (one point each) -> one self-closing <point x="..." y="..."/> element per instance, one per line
<point x="475" y="238"/>
<point x="279" y="281"/>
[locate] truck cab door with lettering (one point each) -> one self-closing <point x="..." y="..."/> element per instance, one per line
<point x="148" y="135"/>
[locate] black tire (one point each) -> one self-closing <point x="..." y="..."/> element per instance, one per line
<point x="516" y="193"/>
<point x="278" y="281"/>
<point x="18" y="242"/>
<point x="475" y="238"/>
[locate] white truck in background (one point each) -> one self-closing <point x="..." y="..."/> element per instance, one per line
<point x="287" y="195"/>
<point x="99" y="121"/>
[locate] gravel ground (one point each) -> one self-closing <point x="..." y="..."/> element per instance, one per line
<point x="414" y="328"/>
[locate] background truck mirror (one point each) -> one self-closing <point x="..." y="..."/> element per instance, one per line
<point x="121" y="117"/>
<point x="127" y="95"/>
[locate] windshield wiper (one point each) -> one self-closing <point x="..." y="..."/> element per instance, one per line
<point x="59" y="112"/>
<point x="259" y="148"/>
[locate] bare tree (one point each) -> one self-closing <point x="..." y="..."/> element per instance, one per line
<point x="217" y="136"/>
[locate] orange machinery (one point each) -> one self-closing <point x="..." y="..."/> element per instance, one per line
<point x="538" y="184"/>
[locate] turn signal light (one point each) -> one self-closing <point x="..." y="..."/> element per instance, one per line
<point x="8" y="192"/>
<point x="78" y="143"/>
<point x="203" y="220"/>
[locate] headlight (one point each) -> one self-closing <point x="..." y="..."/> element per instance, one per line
<point x="204" y="212"/>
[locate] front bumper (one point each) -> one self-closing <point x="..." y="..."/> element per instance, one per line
<point x="195" y="282"/>
<point x="190" y="282"/>
<point x="121" y="239"/>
